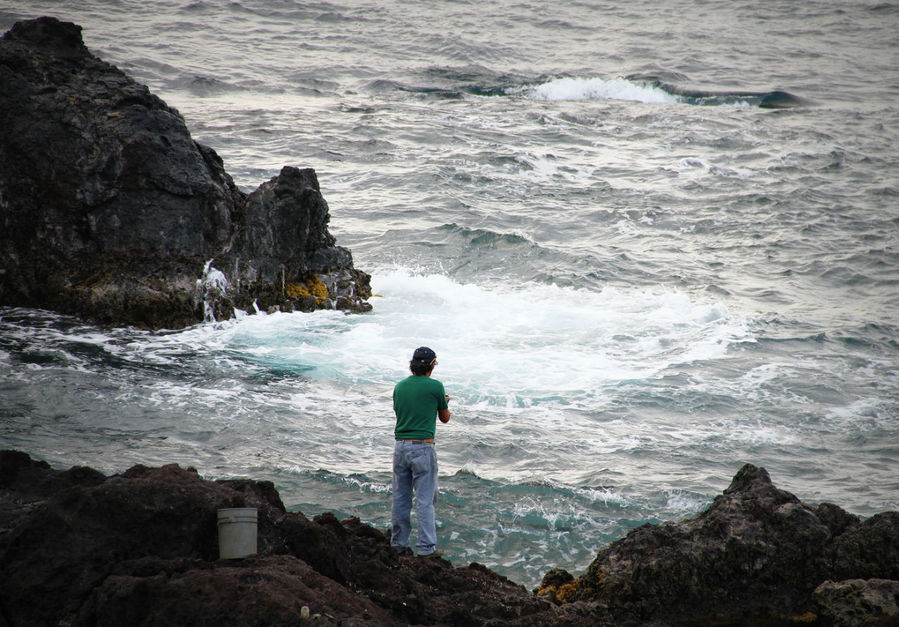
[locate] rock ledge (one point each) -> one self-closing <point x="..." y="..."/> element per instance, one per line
<point x="757" y="555"/>
<point x="140" y="548"/>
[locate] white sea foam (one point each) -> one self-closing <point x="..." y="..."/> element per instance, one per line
<point x="603" y="495"/>
<point x="500" y="347"/>
<point x="753" y="433"/>
<point x="366" y="486"/>
<point x="547" y="357"/>
<point x="684" y="504"/>
<point x="861" y="415"/>
<point x="211" y="284"/>
<point x="569" y="88"/>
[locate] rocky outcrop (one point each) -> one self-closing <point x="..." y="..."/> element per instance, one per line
<point x="859" y="602"/>
<point x="755" y="556"/>
<point x="111" y="211"/>
<point x="140" y="548"/>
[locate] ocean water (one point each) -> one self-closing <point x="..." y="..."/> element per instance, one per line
<point x="649" y="241"/>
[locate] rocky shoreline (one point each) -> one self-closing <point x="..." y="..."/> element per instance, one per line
<point x="140" y="548"/>
<point x="109" y="210"/>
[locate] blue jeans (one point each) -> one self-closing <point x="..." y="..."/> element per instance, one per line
<point x="414" y="469"/>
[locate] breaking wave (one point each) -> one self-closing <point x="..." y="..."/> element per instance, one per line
<point x="650" y="89"/>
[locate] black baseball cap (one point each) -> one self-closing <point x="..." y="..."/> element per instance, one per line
<point x="424" y="355"/>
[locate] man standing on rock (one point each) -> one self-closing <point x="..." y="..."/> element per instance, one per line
<point x="418" y="401"/>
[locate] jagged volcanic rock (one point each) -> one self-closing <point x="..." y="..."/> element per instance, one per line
<point x="859" y="602"/>
<point x="140" y="548"/>
<point x="755" y="556"/>
<point x="110" y="210"/>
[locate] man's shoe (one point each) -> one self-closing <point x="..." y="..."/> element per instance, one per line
<point x="437" y="553"/>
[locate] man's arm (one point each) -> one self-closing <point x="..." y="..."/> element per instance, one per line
<point x="444" y="414"/>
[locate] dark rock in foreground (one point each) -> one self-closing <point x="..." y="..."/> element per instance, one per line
<point x="757" y="555"/>
<point x="110" y="210"/>
<point x="140" y="548"/>
<point x="858" y="602"/>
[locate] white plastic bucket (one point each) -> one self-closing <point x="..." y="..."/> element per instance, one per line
<point x="237" y="532"/>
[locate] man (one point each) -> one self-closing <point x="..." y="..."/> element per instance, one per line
<point x="418" y="401"/>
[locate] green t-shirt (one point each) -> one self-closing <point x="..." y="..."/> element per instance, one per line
<point x="416" y="400"/>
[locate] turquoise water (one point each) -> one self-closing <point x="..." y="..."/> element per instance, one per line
<point x="631" y="292"/>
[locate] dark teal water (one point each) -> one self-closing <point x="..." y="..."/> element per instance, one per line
<point x="637" y="276"/>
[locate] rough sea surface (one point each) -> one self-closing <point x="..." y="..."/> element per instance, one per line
<point x="636" y="273"/>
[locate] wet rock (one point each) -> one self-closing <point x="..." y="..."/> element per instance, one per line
<point x="259" y="591"/>
<point x="867" y="550"/>
<point x="557" y="585"/>
<point x="754" y="556"/>
<point x="284" y="243"/>
<point x="859" y="602"/>
<point x="140" y="548"/>
<point x="110" y="210"/>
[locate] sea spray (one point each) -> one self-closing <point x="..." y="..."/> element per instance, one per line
<point x="211" y="286"/>
<point x="572" y="88"/>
